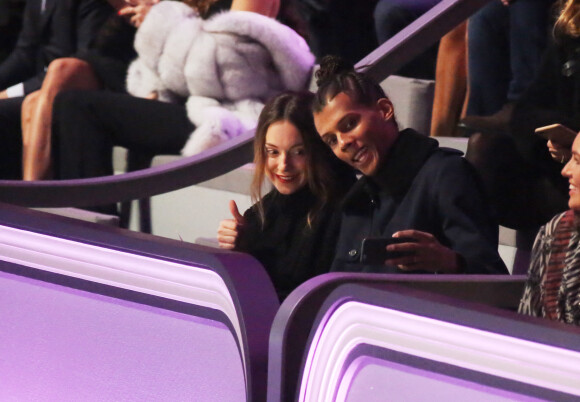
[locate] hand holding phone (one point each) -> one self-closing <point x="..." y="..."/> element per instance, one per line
<point x="374" y="249"/>
<point x="560" y="139"/>
<point x="416" y="251"/>
<point x="557" y="133"/>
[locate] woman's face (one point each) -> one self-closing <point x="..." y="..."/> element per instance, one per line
<point x="286" y="159"/>
<point x="572" y="172"/>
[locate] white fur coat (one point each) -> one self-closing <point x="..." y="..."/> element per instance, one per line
<point x="226" y="67"/>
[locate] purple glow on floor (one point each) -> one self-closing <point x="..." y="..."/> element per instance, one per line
<point x="58" y="343"/>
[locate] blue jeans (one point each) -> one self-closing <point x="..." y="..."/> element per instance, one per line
<point x="505" y="45"/>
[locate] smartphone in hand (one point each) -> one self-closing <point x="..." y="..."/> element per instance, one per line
<point x="374" y="249"/>
<point x="557" y="133"/>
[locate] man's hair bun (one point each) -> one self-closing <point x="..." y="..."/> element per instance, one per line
<point x="330" y="66"/>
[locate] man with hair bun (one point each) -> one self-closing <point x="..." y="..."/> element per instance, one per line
<point x="410" y="188"/>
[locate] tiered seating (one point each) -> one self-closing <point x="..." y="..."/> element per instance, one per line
<point x="92" y="312"/>
<point x="189" y="171"/>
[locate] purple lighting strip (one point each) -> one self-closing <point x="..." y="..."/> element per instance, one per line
<point x="196" y="285"/>
<point x="353" y="323"/>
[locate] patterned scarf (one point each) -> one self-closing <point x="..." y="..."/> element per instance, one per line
<point x="561" y="281"/>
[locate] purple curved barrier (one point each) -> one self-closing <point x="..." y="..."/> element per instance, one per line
<point x="135" y="185"/>
<point x="296" y="316"/>
<point x="367" y="340"/>
<point x="95" y="312"/>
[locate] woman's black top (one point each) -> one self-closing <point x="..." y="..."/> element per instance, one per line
<point x="290" y="250"/>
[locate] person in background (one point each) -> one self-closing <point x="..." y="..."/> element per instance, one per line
<point x="553" y="286"/>
<point x="180" y="102"/>
<point x="522" y="176"/>
<point x="505" y="43"/>
<point x="289" y="229"/>
<point x="50" y="29"/>
<point x="102" y="66"/>
<point x="410" y="187"/>
<point x="449" y="98"/>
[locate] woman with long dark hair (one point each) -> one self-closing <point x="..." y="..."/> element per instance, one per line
<point x="289" y="229"/>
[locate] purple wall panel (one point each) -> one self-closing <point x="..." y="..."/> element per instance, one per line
<point x="59" y="343"/>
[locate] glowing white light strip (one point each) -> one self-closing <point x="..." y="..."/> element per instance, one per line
<point x="355" y="323"/>
<point x="193" y="285"/>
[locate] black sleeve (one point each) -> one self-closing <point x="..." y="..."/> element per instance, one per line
<point x="91" y="16"/>
<point x="331" y="229"/>
<point x="249" y="233"/>
<point x="21" y="63"/>
<point x="466" y="220"/>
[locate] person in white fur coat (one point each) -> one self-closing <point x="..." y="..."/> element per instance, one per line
<point x="226" y="67"/>
<point x="209" y="79"/>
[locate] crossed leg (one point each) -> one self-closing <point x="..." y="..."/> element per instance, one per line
<point x="62" y="75"/>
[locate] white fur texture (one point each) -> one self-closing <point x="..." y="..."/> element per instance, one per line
<point x="217" y="122"/>
<point x="226" y="67"/>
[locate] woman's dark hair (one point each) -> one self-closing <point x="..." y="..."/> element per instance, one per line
<point x="336" y="76"/>
<point x="323" y="170"/>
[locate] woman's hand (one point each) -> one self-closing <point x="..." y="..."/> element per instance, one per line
<point x="136" y="11"/>
<point x="229" y="228"/>
<point x="426" y="254"/>
<point x="153" y="95"/>
<point x="559" y="152"/>
<point x="269" y="8"/>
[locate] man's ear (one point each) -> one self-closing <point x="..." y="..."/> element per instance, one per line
<point x="386" y="108"/>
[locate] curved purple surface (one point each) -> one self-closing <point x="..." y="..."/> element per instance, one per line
<point x="296" y="315"/>
<point x="251" y="291"/>
<point x="61" y="343"/>
<point x="134" y="185"/>
<point x="300" y="321"/>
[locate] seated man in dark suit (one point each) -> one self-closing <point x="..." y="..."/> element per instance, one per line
<point x="51" y="29"/>
<point x="410" y="187"/>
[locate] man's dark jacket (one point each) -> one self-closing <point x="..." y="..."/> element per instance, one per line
<point x="420" y="186"/>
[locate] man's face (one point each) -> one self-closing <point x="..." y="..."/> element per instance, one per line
<point x="357" y="134"/>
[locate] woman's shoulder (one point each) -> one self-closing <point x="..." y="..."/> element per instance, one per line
<point x="564" y="218"/>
